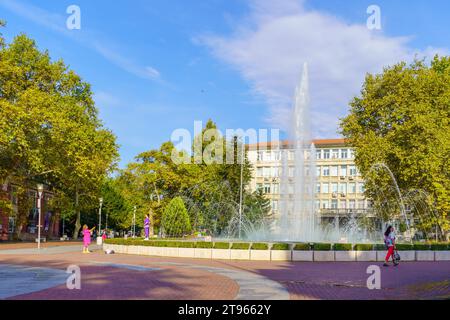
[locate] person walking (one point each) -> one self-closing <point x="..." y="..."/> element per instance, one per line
<point x="147" y="226"/>
<point x="87" y="238"/>
<point x="389" y="240"/>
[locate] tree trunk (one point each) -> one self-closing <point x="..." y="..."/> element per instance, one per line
<point x="78" y="221"/>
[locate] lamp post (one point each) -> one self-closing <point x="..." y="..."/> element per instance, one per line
<point x="134" y="222"/>
<point x="241" y="188"/>
<point x="40" y="189"/>
<point x="99" y="237"/>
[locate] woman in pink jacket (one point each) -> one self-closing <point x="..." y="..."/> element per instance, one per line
<point x="87" y="238"/>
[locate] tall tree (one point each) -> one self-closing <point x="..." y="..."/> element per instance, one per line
<point x="402" y="119"/>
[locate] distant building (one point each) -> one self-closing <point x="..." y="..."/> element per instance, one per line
<point x="339" y="188"/>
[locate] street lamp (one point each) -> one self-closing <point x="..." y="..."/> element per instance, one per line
<point x="134" y="222"/>
<point x="40" y="189"/>
<point x="99" y="221"/>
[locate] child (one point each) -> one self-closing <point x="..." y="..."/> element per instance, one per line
<point x="87" y="238"/>
<point x="146" y="226"/>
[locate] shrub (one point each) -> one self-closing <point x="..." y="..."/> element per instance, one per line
<point x="379" y="247"/>
<point x="260" y="246"/>
<point x="440" y="246"/>
<point x="364" y="247"/>
<point x="342" y="247"/>
<point x="404" y="247"/>
<point x="207" y="245"/>
<point x="302" y="247"/>
<point x="280" y="246"/>
<point x="240" y="246"/>
<point x="322" y="246"/>
<point x="183" y="244"/>
<point x="221" y="245"/>
<point x="421" y="246"/>
<point x="175" y="218"/>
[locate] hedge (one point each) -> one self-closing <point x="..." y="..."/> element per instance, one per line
<point x="260" y="246"/>
<point x="421" y="246"/>
<point x="280" y="246"/>
<point x="221" y="245"/>
<point x="379" y="247"/>
<point x="364" y="247"/>
<point x="322" y="246"/>
<point x="404" y="247"/>
<point x="206" y="245"/>
<point x="240" y="246"/>
<point x="440" y="246"/>
<point x="302" y="247"/>
<point x="342" y="247"/>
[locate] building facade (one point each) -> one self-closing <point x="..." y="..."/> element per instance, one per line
<point x="339" y="191"/>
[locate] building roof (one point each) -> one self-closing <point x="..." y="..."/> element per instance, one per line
<point x="286" y="143"/>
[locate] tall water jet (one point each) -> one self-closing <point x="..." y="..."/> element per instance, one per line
<point x="297" y="198"/>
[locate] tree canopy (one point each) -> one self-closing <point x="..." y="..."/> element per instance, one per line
<point x="402" y="119"/>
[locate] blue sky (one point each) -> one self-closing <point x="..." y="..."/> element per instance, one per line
<point x="156" y="66"/>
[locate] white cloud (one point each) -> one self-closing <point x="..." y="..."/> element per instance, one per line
<point x="269" y="47"/>
<point x="105" y="99"/>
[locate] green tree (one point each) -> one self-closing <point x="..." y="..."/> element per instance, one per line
<point x="402" y="119"/>
<point x="49" y="128"/>
<point x="175" y="220"/>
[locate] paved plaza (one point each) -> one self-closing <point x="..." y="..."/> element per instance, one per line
<point x="27" y="274"/>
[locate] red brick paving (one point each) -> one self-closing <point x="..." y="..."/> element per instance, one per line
<point x="340" y="280"/>
<point x="30" y="245"/>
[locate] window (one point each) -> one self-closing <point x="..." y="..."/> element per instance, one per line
<point x="335" y="154"/>
<point x="275" y="205"/>
<point x="291" y="189"/>
<point x="325" y="188"/>
<point x="343" y="171"/>
<point x="334" y="204"/>
<point x="318" y="169"/>
<point x="275" y="172"/>
<point x="276" y="188"/>
<point x="326" y="171"/>
<point x="351" y="154"/>
<point x="260" y="156"/>
<point x="361" y="187"/>
<point x="326" y="154"/>
<point x="259" y="172"/>
<point x="344" y="153"/>
<point x="343" y="188"/>
<point x="352" y="187"/>
<point x="291" y="155"/>
<point x="334" y="187"/>
<point x="352" y="171"/>
<point x="259" y="187"/>
<point x="361" y="204"/>
<point x="352" y="204"/>
<point x="276" y="156"/>
<point x="343" y="204"/>
<point x="267" y="156"/>
<point x="267" y="172"/>
<point x="318" y="154"/>
<point x="325" y="204"/>
<point x="318" y="188"/>
<point x="291" y="172"/>
<point x="334" y="171"/>
<point x="317" y="204"/>
<point x="267" y="188"/>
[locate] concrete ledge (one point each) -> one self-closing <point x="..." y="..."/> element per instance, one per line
<point x="237" y="254"/>
<point x="323" y="255"/>
<point x="345" y="255"/>
<point x="202" y="253"/>
<point x="186" y="252"/>
<point x="366" y="256"/>
<point x="408" y="255"/>
<point x="302" y="255"/>
<point x="261" y="255"/>
<point x="171" y="252"/>
<point x="281" y="255"/>
<point x="381" y="255"/>
<point x="425" y="255"/>
<point x="442" y="255"/>
<point x="221" y="254"/>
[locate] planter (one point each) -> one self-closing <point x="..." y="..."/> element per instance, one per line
<point x="324" y="256"/>
<point x="281" y="255"/>
<point x="366" y="256"/>
<point x="170" y="252"/>
<point x="442" y="255"/>
<point x="202" y="253"/>
<point x="302" y="255"/>
<point x="261" y="255"/>
<point x="222" y="254"/>
<point x="345" y="255"/>
<point x="186" y="252"/>
<point x="425" y="255"/>
<point x="238" y="254"/>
